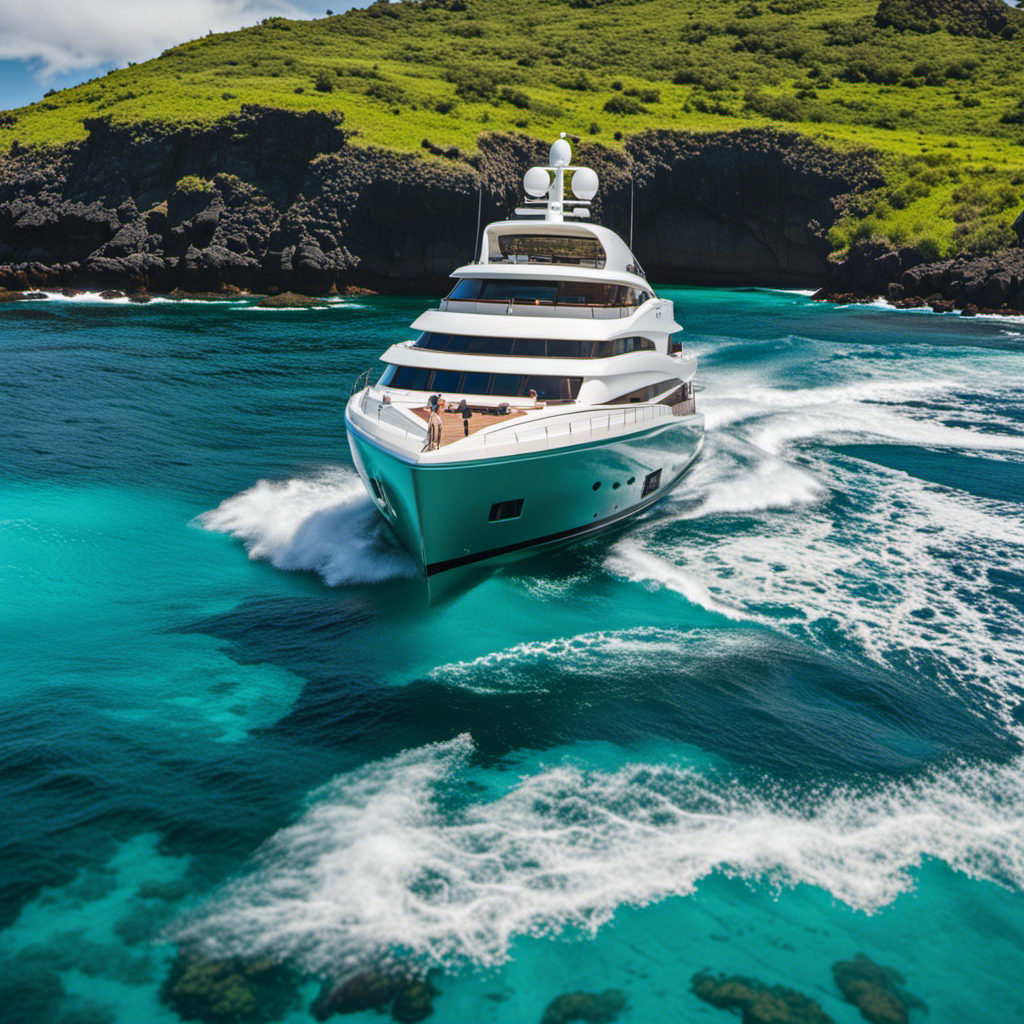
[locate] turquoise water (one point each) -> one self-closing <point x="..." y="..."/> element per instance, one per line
<point x="776" y="722"/>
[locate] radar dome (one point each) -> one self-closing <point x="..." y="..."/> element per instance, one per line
<point x="536" y="181"/>
<point x="561" y="153"/>
<point x="584" y="183"/>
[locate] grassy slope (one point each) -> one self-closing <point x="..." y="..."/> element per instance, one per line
<point x="411" y="71"/>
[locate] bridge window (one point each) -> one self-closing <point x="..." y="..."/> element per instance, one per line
<point x="552" y="348"/>
<point x="566" y="249"/>
<point x="505" y="385"/>
<point x="547" y="293"/>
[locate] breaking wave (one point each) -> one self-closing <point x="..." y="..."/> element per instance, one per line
<point x="326" y="524"/>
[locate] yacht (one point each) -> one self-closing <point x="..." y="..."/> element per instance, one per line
<point x="582" y="406"/>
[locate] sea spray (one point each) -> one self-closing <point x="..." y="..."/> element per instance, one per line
<point x="326" y="524"/>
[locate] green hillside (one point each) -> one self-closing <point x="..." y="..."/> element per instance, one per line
<point x="933" y="85"/>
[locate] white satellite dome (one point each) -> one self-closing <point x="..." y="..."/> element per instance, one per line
<point x="536" y="181"/>
<point x="561" y="153"/>
<point x="584" y="183"/>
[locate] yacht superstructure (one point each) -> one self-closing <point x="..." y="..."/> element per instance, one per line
<point x="582" y="413"/>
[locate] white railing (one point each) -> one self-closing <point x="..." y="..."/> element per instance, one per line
<point x="384" y="412"/>
<point x="526" y="308"/>
<point x="572" y="429"/>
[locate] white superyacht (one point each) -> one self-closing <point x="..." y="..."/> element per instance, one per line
<point x="582" y="413"/>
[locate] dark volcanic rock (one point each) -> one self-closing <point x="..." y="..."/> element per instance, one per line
<point x="281" y="199"/>
<point x="592" y="1007"/>
<point x="757" y="1002"/>
<point x="289" y="300"/>
<point x="875" y="990"/>
<point x="874" y="269"/>
<point x="748" y="207"/>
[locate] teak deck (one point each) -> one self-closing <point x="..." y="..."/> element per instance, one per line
<point x="451" y="422"/>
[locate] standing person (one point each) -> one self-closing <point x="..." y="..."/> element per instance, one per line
<point x="434" y="428"/>
<point x="466" y="413"/>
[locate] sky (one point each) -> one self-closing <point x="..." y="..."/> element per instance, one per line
<point x="53" y="44"/>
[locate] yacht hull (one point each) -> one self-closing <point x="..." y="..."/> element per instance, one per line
<point x="444" y="512"/>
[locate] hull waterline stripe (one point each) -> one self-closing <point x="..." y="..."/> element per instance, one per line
<point x="454" y="563"/>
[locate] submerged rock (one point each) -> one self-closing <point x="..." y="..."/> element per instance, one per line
<point x="875" y="990"/>
<point x="410" y="999"/>
<point x="228" y="990"/>
<point x="758" y="1003"/>
<point x="413" y="1003"/>
<point x="592" y="1007"/>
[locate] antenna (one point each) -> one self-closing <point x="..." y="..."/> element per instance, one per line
<point x="479" y="210"/>
<point x="631" y="211"/>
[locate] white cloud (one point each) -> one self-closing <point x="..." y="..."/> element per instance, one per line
<point x="67" y="35"/>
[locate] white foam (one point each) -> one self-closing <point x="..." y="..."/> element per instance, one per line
<point x="900" y="567"/>
<point x="326" y="524"/>
<point x="515" y="668"/>
<point x="385" y="863"/>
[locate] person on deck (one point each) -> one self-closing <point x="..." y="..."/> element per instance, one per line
<point x="466" y="413"/>
<point x="434" y="427"/>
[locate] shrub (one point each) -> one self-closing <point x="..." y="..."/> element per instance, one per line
<point x="594" y="128"/>
<point x="778" y="108"/>
<point x="645" y="95"/>
<point x="324" y="82"/>
<point x="386" y="92"/>
<point x="515" y="97"/>
<point x="193" y="185"/>
<point x="1015" y="115"/>
<point x="624" y="105"/>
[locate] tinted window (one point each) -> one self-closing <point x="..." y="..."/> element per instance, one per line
<point x="530" y="347"/>
<point x="446" y="380"/>
<point x="520" y="291"/>
<point x="648" y="393"/>
<point x="387" y="376"/>
<point x="504" y="384"/>
<point x="507" y="385"/>
<point x="552" y="348"/>
<point x="569" y="293"/>
<point x="411" y="378"/>
<point x="553" y="248"/>
<point x="476" y="383"/>
<point x="467" y="288"/>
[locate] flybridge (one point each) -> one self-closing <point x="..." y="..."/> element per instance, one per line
<point x="547" y="187"/>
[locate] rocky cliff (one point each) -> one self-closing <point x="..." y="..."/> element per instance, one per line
<point x="271" y="199"/>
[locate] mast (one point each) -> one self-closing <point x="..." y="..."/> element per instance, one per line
<point x="547" y="185"/>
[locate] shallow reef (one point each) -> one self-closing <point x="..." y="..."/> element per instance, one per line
<point x="758" y="1003"/>
<point x="875" y="990"/>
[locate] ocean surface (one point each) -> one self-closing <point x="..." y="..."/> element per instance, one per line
<point x="776" y="722"/>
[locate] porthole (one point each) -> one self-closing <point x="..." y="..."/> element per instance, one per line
<point x="597" y="486"/>
<point x="616" y="485"/>
<point x="631" y="481"/>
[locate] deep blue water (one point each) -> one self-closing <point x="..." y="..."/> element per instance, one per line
<point x="776" y="722"/>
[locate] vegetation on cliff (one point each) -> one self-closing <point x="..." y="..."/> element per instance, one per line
<point x="930" y="85"/>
